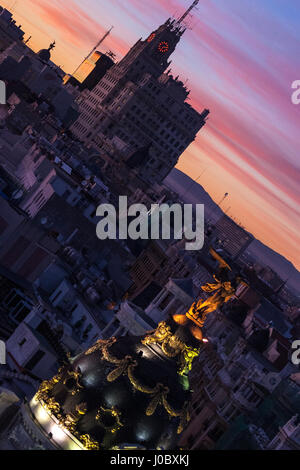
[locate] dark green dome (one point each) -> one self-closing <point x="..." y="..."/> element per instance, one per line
<point x="44" y="55"/>
<point x="125" y="390"/>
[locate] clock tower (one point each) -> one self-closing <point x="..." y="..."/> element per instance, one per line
<point x="153" y="53"/>
<point x="138" y="104"/>
<point x="161" y="43"/>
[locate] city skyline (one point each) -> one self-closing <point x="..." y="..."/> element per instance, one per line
<point x="136" y="312"/>
<point x="256" y="165"/>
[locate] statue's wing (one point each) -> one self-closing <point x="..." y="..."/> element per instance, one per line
<point x="210" y="287"/>
<point x="222" y="262"/>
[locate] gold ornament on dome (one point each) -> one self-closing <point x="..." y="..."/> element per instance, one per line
<point x="69" y="423"/>
<point x="162" y="332"/>
<point x="81" y="409"/>
<point x="136" y="383"/>
<point x="188" y="354"/>
<point x="47" y="385"/>
<point x="121" y="364"/>
<point x="88" y="442"/>
<point x="122" y="368"/>
<point x="76" y="376"/>
<point x="127" y="366"/>
<point x="72" y="418"/>
<point x="98" y="346"/>
<point x="158" y="397"/>
<point x="172" y="346"/>
<point x="53" y="406"/>
<point x="183" y="414"/>
<point x="114" y="413"/>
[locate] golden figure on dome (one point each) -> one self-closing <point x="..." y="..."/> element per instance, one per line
<point x="223" y="288"/>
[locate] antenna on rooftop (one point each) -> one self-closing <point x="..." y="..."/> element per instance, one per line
<point x="94" y="49"/>
<point x="187" y="12"/>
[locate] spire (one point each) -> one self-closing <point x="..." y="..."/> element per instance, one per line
<point x="94" y="49"/>
<point x="188" y="11"/>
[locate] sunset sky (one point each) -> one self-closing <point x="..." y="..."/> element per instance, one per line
<point x="240" y="60"/>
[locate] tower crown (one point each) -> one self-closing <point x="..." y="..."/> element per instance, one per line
<point x="162" y="42"/>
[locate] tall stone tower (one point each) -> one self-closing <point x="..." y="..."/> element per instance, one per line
<point x="138" y="102"/>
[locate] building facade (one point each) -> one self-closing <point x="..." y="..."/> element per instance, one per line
<point x="232" y="238"/>
<point x="139" y="102"/>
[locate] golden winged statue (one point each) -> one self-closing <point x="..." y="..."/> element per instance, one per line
<point x="223" y="288"/>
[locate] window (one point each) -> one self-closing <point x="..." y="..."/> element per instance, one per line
<point x="74" y="308"/>
<point x="22" y="314"/>
<point x="166" y="301"/>
<point x="36" y="358"/>
<point x="56" y="296"/>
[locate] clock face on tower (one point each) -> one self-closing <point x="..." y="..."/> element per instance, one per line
<point x="163" y="47"/>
